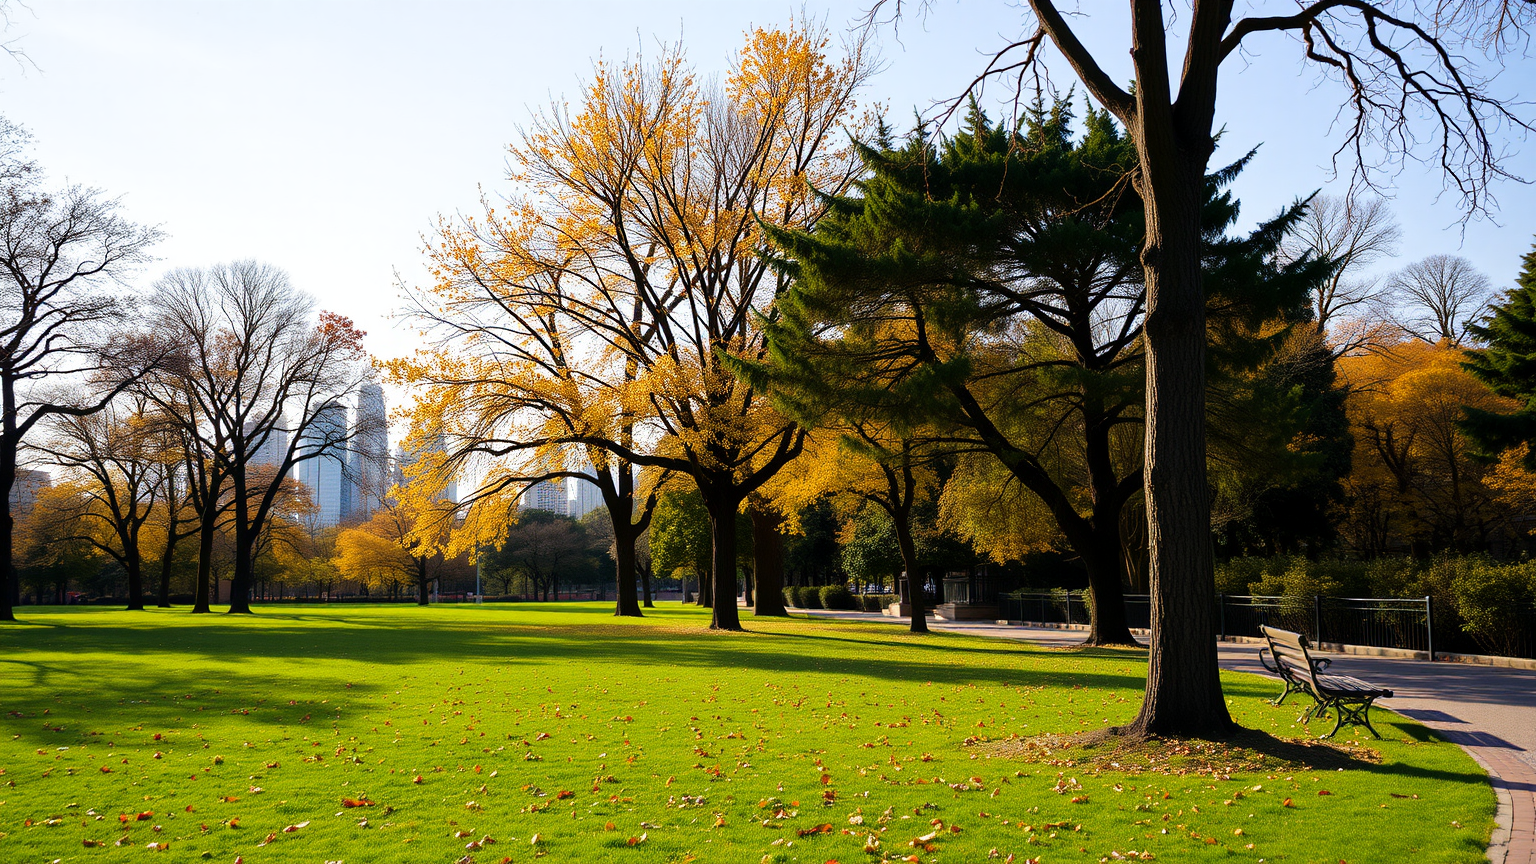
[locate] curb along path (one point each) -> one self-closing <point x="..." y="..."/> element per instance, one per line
<point x="1489" y="711"/>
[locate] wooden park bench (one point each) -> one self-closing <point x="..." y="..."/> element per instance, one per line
<point x="1350" y="698"/>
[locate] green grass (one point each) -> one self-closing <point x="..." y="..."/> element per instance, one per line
<point x="708" y="745"/>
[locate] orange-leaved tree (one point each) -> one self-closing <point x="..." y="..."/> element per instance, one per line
<point x="1415" y="480"/>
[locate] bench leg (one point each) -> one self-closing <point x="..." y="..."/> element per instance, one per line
<point x="1290" y="687"/>
<point x="1319" y="710"/>
<point x="1338" y="719"/>
<point x="1355" y="712"/>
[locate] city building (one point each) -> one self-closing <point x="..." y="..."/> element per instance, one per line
<point x="25" y="490"/>
<point x="323" y="469"/>
<point x="545" y="495"/>
<point x="274" y="449"/>
<point x="368" y="456"/>
<point x="584" y="496"/>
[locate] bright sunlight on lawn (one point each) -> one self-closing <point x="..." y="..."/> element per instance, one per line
<point x="402" y="734"/>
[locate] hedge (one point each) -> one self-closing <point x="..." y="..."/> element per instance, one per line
<point x="837" y="597"/>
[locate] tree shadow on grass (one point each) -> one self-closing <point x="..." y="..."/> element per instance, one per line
<point x="299" y="656"/>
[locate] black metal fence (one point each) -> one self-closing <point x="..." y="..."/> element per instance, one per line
<point x="1381" y="622"/>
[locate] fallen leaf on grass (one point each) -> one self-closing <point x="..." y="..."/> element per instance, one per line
<point x="823" y="828"/>
<point x="356" y="802"/>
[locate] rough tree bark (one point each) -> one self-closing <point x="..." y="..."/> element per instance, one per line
<point x="768" y="562"/>
<point x="722" y="501"/>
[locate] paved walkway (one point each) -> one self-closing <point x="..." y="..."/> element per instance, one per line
<point x="1488" y="710"/>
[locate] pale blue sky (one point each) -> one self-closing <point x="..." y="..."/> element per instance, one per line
<point x="325" y="136"/>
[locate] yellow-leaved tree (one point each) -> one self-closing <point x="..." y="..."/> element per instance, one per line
<point x="397" y="547"/>
<point x="589" y="321"/>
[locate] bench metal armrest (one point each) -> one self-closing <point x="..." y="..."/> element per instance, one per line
<point x="1320" y="663"/>
<point x="1275" y="669"/>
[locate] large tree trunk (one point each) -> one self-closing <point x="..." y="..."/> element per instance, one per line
<point x="245" y="552"/>
<point x="1183" y="682"/>
<point x="1107" y="623"/>
<point x="10" y="584"/>
<point x="722" y="529"/>
<point x="422" y="582"/>
<point x="1101" y="553"/>
<point x="135" y="567"/>
<point x="205" y="533"/>
<point x="167" y="560"/>
<point x="915" y="594"/>
<point x="768" y="562"/>
<point x="705" y="595"/>
<point x="645" y="587"/>
<point x="628" y="604"/>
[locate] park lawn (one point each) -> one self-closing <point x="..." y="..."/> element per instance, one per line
<point x="640" y="741"/>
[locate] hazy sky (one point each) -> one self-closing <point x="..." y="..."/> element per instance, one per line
<point x="325" y="137"/>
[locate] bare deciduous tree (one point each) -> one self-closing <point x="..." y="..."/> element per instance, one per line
<point x="251" y="364"/>
<point x="111" y="451"/>
<point x="1354" y="231"/>
<point x="1437" y="298"/>
<point x="61" y="254"/>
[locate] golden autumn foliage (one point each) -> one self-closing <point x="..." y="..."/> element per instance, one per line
<point x="1413" y="480"/>
<point x="389" y="548"/>
<point x="587" y="317"/>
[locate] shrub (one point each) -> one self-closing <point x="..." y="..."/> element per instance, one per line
<point x="790" y="599"/>
<point x="1395" y="577"/>
<point x="808" y="597"/>
<point x="876" y="602"/>
<point x="1491" y="599"/>
<point x="836" y="597"/>
<point x="1238" y="575"/>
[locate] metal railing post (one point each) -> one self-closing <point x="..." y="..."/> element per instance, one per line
<point x="1429" y="625"/>
<point x="1069" y="609"/>
<point x="1221" y="616"/>
<point x="1317" y="618"/>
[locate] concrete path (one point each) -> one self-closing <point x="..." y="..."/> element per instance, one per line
<point x="1490" y="711"/>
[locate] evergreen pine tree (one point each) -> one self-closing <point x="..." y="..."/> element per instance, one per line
<point x="1507" y="364"/>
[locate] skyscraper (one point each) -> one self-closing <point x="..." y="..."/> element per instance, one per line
<point x="404" y="459"/>
<point x="273" y="450"/>
<point x="368" y="468"/>
<point x="29" y="483"/>
<point x="326" y="475"/>
<point x="545" y="495"/>
<point x="584" y="496"/>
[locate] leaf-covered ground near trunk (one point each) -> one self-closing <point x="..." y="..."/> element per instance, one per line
<point x="509" y="733"/>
